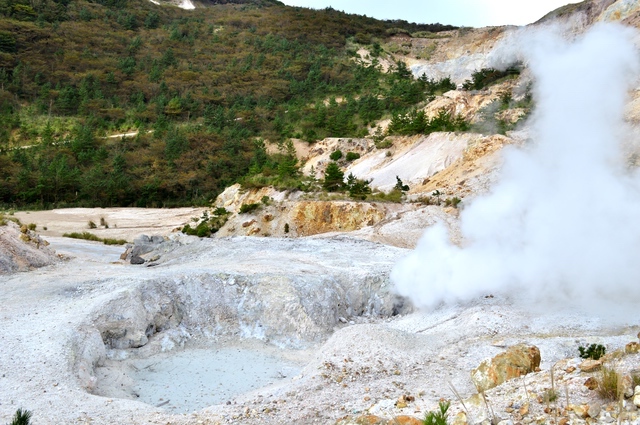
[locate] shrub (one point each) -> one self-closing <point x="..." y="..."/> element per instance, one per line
<point x="335" y="155"/>
<point x="401" y="186"/>
<point x="440" y="417"/>
<point x="486" y="76"/>
<point x="207" y="225"/>
<point x="452" y="202"/>
<point x="31" y="226"/>
<point x="384" y="144"/>
<point x="352" y="156"/>
<point x="247" y="208"/>
<point x="220" y="211"/>
<point x="594" y="351"/>
<point x="91" y="225"/>
<point x="286" y="227"/>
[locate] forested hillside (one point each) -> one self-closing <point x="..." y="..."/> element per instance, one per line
<point x="202" y="87"/>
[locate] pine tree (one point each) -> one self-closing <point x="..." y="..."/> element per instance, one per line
<point x="333" y="178"/>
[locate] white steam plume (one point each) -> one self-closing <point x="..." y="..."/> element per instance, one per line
<point x="562" y="226"/>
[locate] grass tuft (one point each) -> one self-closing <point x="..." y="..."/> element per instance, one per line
<point x="609" y="384"/>
<point x="22" y="417"/>
<point x="91" y="237"/>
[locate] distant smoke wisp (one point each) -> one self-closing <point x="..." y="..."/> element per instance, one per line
<point x="562" y="226"/>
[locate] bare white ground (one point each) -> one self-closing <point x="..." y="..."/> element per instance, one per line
<point x="62" y="339"/>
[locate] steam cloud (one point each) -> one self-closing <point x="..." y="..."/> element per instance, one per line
<point x="562" y="226"/>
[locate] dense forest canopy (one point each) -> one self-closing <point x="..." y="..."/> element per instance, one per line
<point x="203" y="88"/>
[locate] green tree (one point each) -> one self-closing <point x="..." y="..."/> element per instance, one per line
<point x="333" y="178"/>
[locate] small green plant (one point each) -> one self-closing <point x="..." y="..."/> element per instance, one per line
<point x="400" y="185"/>
<point x="91" y="225"/>
<point x="436" y="193"/>
<point x="550" y="395"/>
<point x="266" y="200"/>
<point x="220" y="211"/>
<point x="31" y="226"/>
<point x="335" y="155"/>
<point x="104" y="223"/>
<point x="384" y="144"/>
<point x="286" y="227"/>
<point x="452" y="202"/>
<point x="440" y="417"/>
<point x="608" y="384"/>
<point x="594" y="351"/>
<point x="352" y="156"/>
<point x="22" y="417"/>
<point x="247" y="208"/>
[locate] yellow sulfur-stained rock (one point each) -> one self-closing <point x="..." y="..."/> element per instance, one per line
<point x="515" y="362"/>
<point x="460" y="419"/>
<point x="632" y="348"/>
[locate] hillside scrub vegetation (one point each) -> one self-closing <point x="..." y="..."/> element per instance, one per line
<point x="198" y="89"/>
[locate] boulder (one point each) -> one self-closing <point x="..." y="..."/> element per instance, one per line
<point x="22" y="249"/>
<point x="144" y="244"/>
<point x="136" y="259"/>
<point x="515" y="362"/>
<point x="632" y="348"/>
<point x="590" y="365"/>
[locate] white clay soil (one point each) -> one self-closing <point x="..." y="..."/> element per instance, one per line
<point x="194" y="379"/>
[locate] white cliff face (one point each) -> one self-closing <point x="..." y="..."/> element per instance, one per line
<point x="187" y="5"/>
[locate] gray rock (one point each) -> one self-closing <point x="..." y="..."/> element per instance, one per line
<point x="144" y="244"/>
<point x="594" y="410"/>
<point x="135" y="259"/>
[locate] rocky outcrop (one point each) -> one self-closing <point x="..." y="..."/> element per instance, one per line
<point x="135" y="253"/>
<point x="315" y="217"/>
<point x="22" y="250"/>
<point x="285" y="214"/>
<point x="292" y="292"/>
<point x="513" y="363"/>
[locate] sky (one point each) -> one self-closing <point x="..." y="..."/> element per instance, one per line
<point x="471" y="13"/>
